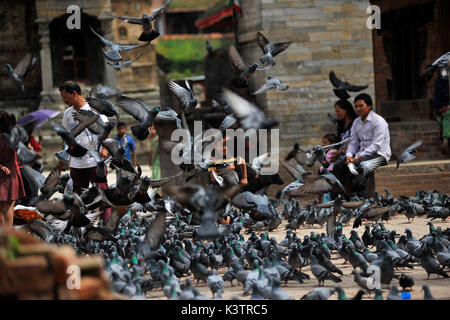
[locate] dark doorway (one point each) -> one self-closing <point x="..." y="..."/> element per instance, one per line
<point x="75" y="53"/>
<point x="405" y="39"/>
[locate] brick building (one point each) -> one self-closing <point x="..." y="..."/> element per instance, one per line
<point x="73" y="54"/>
<point x="332" y="35"/>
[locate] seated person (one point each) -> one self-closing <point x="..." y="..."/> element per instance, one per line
<point x="226" y="168"/>
<point x="371" y="139"/>
<point x="330" y="157"/>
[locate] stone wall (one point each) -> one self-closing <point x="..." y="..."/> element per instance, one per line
<point x="327" y="35"/>
<point x="17" y="33"/>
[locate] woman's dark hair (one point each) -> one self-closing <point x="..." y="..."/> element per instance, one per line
<point x="7" y="121"/>
<point x="332" y="138"/>
<point x="70" y="86"/>
<point x="347" y="106"/>
<point x="364" y="97"/>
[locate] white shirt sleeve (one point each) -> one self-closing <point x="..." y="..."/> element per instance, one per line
<point x="353" y="146"/>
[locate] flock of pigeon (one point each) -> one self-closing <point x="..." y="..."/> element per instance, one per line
<point x="152" y="242"/>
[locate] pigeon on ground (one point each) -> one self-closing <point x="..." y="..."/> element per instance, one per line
<point x="393" y="294"/>
<point x="319" y="294"/>
<point x="432" y="266"/>
<point x="364" y="283"/>
<point x="343" y="296"/>
<point x="427" y="293"/>
<point x="321" y="273"/>
<point x="406" y="281"/>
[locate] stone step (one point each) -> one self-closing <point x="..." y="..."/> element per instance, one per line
<point x="407" y="180"/>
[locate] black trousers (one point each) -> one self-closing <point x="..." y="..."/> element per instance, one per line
<point x="352" y="183"/>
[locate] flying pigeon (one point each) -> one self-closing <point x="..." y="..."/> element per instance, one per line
<point x="342" y="87"/>
<point x="113" y="53"/>
<point x="139" y="111"/>
<point x="148" y="34"/>
<point x="270" y="50"/>
<point x="248" y="115"/>
<point x="184" y="95"/>
<point x="22" y="69"/>
<point x="408" y="154"/>
<point x="271" y="83"/>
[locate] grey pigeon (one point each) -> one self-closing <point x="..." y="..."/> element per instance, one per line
<point x="322" y="184"/>
<point x="21" y="70"/>
<point x="184" y="95"/>
<point x="408" y="154"/>
<point x="321" y="273"/>
<point x="393" y="294"/>
<point x="123" y="64"/>
<point x="248" y="115"/>
<point x="319" y="294"/>
<point x="427" y="293"/>
<point x="148" y="33"/>
<point x="271" y="83"/>
<point x="244" y="69"/>
<point x="432" y="266"/>
<point x="139" y="111"/>
<point x="440" y="63"/>
<point x="215" y="282"/>
<point x="363" y="282"/>
<point x="100" y="103"/>
<point x="113" y="53"/>
<point x="270" y="50"/>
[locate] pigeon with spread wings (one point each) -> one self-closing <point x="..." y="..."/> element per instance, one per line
<point x="139" y="111"/>
<point x="322" y="184"/>
<point x="184" y="95"/>
<point x="341" y="87"/>
<point x="271" y="83"/>
<point x="113" y="53"/>
<point x="22" y="69"/>
<point x="120" y="65"/>
<point x="248" y="115"/>
<point x="74" y="148"/>
<point x="440" y="63"/>
<point x="270" y="49"/>
<point x="408" y="154"/>
<point x="244" y="69"/>
<point x="148" y="33"/>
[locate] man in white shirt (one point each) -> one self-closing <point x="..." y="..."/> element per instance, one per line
<point x="371" y="139"/>
<point x="82" y="169"/>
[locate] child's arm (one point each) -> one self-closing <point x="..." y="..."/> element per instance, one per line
<point x="243" y="167"/>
